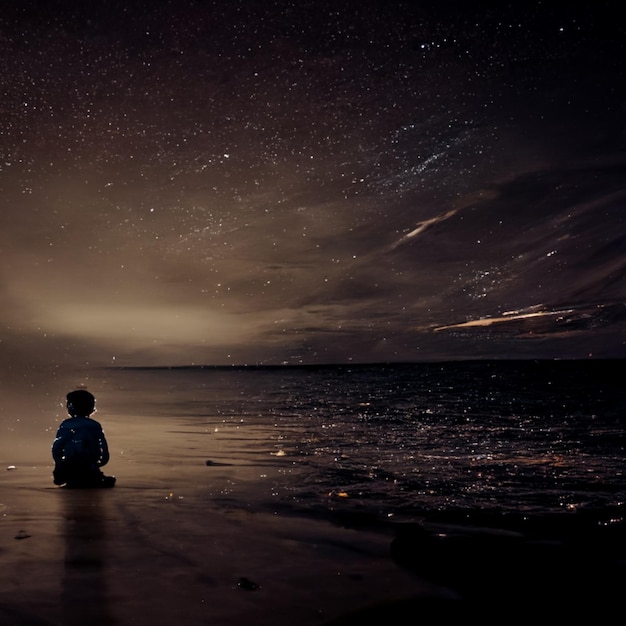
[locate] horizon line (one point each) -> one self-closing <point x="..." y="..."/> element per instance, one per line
<point x="363" y="363"/>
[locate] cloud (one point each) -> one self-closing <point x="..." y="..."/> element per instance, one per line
<point x="299" y="194"/>
<point x="423" y="226"/>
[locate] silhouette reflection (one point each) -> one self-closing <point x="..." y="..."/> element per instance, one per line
<point x="84" y="584"/>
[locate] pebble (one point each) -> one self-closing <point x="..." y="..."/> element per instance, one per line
<point x="22" y="535"/>
<point x="247" y="584"/>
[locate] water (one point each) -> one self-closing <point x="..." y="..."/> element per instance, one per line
<point x="404" y="439"/>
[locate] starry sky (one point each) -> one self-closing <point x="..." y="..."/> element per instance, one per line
<point x="275" y="182"/>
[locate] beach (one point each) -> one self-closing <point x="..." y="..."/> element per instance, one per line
<point x="159" y="549"/>
<point x="142" y="554"/>
<point x="241" y="500"/>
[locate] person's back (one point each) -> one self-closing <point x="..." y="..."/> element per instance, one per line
<point x="80" y="448"/>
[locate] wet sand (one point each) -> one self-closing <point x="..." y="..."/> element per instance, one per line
<point x="159" y="551"/>
<point x="180" y="541"/>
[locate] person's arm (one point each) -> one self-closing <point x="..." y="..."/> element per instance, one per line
<point x="58" y="444"/>
<point x="104" y="449"/>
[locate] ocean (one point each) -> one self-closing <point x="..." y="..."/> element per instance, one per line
<point x="390" y="441"/>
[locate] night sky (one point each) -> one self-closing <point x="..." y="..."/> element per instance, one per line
<point x="267" y="182"/>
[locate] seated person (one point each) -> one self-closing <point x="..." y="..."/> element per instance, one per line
<point x="80" y="448"/>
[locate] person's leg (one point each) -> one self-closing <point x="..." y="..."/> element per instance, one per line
<point x="98" y="479"/>
<point x="59" y="475"/>
<point x="81" y="476"/>
<point x="107" y="481"/>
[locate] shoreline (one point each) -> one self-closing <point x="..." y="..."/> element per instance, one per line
<point x="132" y="555"/>
<point x="165" y="551"/>
<point x="199" y="529"/>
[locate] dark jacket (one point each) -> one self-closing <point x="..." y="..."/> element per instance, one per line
<point x="80" y="440"/>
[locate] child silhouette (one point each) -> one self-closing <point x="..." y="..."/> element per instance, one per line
<point x="80" y="448"/>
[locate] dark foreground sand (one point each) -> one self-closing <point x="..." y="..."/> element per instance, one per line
<point x="157" y="549"/>
<point x="137" y="555"/>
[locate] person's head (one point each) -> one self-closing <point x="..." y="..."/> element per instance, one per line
<point x="80" y="403"/>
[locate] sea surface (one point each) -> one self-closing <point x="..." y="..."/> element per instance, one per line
<point x="399" y="440"/>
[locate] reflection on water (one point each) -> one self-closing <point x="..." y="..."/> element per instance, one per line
<point x="515" y="435"/>
<point x="84" y="585"/>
